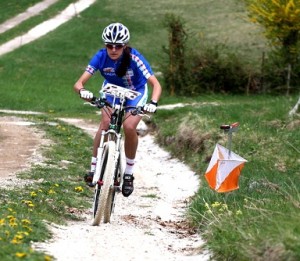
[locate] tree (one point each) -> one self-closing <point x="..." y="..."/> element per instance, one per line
<point x="281" y="20"/>
<point x="175" y="74"/>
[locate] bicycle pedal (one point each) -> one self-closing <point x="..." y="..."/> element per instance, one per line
<point x="90" y="184"/>
<point x="117" y="189"/>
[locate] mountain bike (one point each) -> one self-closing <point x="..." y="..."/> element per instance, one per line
<point x="108" y="176"/>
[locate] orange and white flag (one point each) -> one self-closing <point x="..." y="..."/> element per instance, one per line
<point x="224" y="170"/>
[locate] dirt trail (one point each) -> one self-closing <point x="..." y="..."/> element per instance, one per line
<point x="149" y="225"/>
<point x="19" y="148"/>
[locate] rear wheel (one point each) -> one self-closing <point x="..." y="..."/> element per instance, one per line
<point x="106" y="178"/>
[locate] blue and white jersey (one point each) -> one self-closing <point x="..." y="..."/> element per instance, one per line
<point x="136" y="76"/>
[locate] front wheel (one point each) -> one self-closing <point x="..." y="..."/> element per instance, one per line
<point x="106" y="182"/>
<point x="112" y="192"/>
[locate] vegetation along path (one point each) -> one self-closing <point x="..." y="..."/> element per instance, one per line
<point x="149" y="225"/>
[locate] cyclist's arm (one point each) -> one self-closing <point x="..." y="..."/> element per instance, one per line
<point x="152" y="80"/>
<point x="81" y="81"/>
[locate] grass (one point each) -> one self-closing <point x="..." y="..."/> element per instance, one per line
<point x="57" y="194"/>
<point x="33" y="21"/>
<point x="257" y="222"/>
<point x="260" y="218"/>
<point x="13" y="8"/>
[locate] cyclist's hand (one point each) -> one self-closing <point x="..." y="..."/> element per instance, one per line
<point x="151" y="107"/>
<point x="85" y="94"/>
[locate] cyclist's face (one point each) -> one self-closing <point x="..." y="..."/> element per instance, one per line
<point x="114" y="50"/>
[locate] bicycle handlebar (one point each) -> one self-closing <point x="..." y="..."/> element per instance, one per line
<point x="100" y="103"/>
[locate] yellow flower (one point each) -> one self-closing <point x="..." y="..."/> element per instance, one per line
<point x="13" y="224"/>
<point x="15" y="241"/>
<point x="28" y="203"/>
<point x="78" y="189"/>
<point x="2" y="222"/>
<point x="48" y="258"/>
<point x="26" y="221"/>
<point x="33" y="194"/>
<point x="51" y="191"/>
<point x="56" y="185"/>
<point x="216" y="204"/>
<point x="239" y="212"/>
<point x="19" y="236"/>
<point x="20" y="254"/>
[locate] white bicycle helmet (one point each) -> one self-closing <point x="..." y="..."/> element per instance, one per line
<point x="116" y="33"/>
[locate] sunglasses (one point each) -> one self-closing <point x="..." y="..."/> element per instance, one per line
<point x="116" y="46"/>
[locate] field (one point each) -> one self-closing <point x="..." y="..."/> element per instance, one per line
<point x="257" y="222"/>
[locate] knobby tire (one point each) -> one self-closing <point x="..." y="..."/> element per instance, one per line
<point x="108" y="172"/>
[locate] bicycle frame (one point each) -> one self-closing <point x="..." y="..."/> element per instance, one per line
<point x="116" y="121"/>
<point x="108" y="177"/>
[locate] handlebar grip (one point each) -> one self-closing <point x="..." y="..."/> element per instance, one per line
<point x="225" y="127"/>
<point x="229" y="126"/>
<point x="99" y="102"/>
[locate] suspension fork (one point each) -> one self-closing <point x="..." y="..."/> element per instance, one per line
<point x="99" y="158"/>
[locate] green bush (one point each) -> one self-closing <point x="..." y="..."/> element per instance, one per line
<point x="214" y="69"/>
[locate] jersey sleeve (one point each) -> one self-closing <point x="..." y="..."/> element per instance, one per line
<point x="93" y="65"/>
<point x="142" y="64"/>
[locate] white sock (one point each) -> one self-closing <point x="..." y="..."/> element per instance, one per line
<point x="93" y="164"/>
<point x="129" y="166"/>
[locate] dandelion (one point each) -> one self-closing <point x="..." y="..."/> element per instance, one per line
<point x="78" y="189"/>
<point x="238" y="212"/>
<point x="56" y="185"/>
<point x="15" y="241"/>
<point x="20" y="254"/>
<point x="28" y="228"/>
<point x="25" y="221"/>
<point x="51" y="191"/>
<point x="224" y="207"/>
<point x="2" y="222"/>
<point x="33" y="194"/>
<point x="216" y="204"/>
<point x="13" y="224"/>
<point x="48" y="258"/>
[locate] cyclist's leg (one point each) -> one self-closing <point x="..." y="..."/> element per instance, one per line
<point x="131" y="140"/>
<point x="104" y="123"/>
<point x="131" y="137"/>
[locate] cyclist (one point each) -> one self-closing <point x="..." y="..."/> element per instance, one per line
<point x="122" y="65"/>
